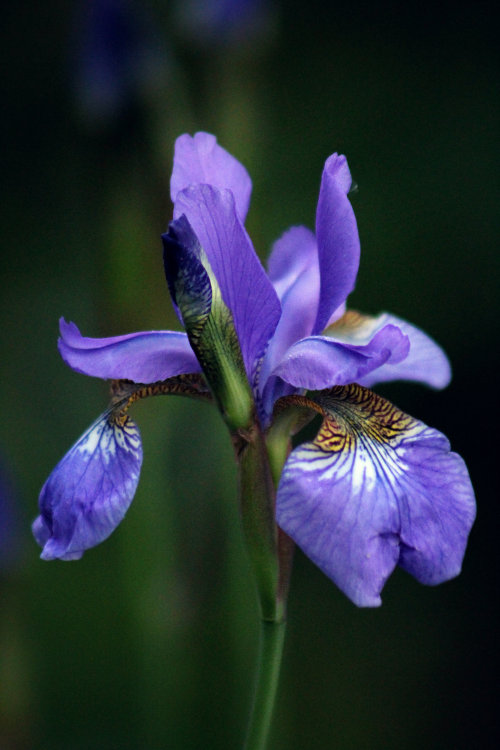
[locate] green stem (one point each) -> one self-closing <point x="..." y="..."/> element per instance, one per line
<point x="256" y="492"/>
<point x="272" y="636"/>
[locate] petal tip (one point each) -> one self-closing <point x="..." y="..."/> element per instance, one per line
<point x="68" y="329"/>
<point x="336" y="167"/>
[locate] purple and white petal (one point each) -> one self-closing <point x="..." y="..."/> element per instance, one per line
<point x="90" y="490"/>
<point x="338" y="240"/>
<point x="244" y="285"/>
<point x="200" y="160"/>
<point x="319" y="362"/>
<point x="374" y="489"/>
<point x="142" y="357"/>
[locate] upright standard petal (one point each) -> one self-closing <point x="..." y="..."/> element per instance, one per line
<point x="338" y="240"/>
<point x="294" y="272"/>
<point x="200" y="160"/>
<point x="319" y="362"/>
<point x="90" y="490"/>
<point x="375" y="488"/>
<point x="293" y="254"/>
<point x="141" y="357"/>
<point x="244" y="285"/>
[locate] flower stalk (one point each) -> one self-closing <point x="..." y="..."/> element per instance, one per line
<point x="272" y="635"/>
<point x="271" y="551"/>
<point x="257" y="501"/>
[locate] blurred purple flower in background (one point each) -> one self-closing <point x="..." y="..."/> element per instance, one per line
<point x="220" y="22"/>
<point x="375" y="488"/>
<point x="120" y="59"/>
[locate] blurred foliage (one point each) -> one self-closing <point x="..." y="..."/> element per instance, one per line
<point x="149" y="640"/>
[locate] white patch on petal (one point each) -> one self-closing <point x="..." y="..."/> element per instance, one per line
<point x="105" y="436"/>
<point x="355" y="328"/>
<point x="90" y="440"/>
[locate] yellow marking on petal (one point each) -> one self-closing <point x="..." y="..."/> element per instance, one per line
<point x="332" y="438"/>
<point x="352" y="415"/>
<point x="353" y="327"/>
<point x="353" y="412"/>
<point x="125" y="392"/>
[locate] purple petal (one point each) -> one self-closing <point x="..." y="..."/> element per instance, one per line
<point x="338" y="241"/>
<point x="141" y="357"/>
<point x="200" y="160"/>
<point x="374" y="489"/>
<point x="294" y="253"/>
<point x="294" y="272"/>
<point x="319" y="362"/>
<point x="90" y="490"/>
<point x="270" y="391"/>
<point x="426" y="361"/>
<point x="244" y="285"/>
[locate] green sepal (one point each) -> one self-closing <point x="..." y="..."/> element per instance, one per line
<point x="209" y="323"/>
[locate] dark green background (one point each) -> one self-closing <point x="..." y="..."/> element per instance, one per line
<point x="149" y="641"/>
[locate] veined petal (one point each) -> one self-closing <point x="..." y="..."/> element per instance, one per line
<point x="90" y="490"/>
<point x="338" y="240"/>
<point x="426" y="361"/>
<point x="375" y="488"/>
<point x="319" y="362"/>
<point x="244" y="285"/>
<point x="142" y="357"/>
<point x="200" y="160"/>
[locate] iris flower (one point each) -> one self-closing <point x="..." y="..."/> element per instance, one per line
<point x="375" y="488"/>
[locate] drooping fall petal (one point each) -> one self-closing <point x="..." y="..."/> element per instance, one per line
<point x="90" y="489"/>
<point x="374" y="489"/>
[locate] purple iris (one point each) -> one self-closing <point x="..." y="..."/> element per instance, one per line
<point x="375" y="488"/>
